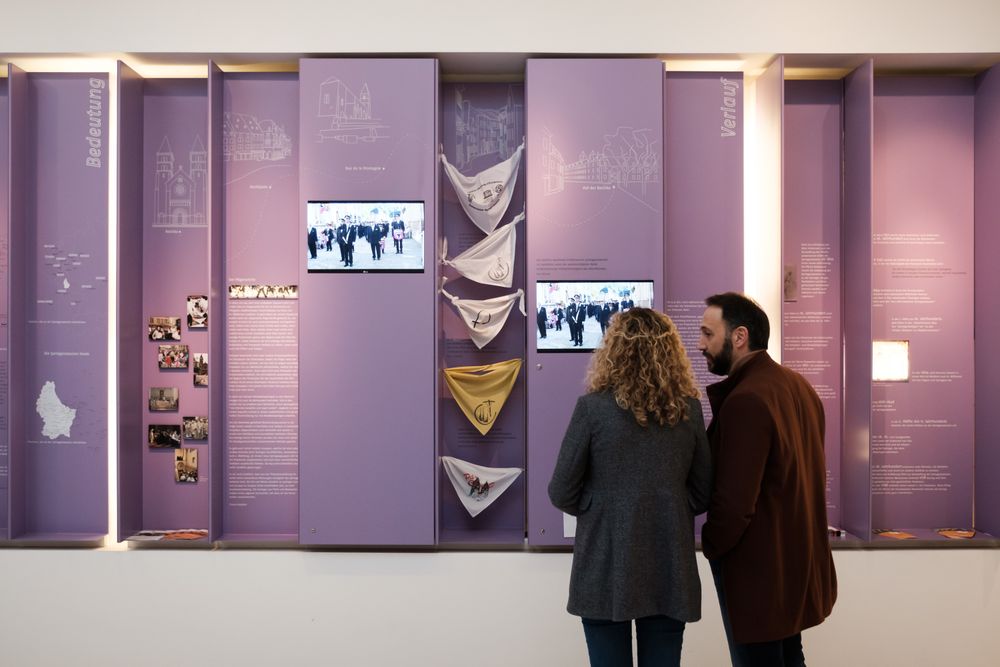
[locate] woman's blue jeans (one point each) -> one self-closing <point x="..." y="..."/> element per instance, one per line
<point x="658" y="641"/>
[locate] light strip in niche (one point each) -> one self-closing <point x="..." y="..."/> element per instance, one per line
<point x="891" y="361"/>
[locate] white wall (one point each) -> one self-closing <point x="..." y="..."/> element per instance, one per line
<point x="528" y="26"/>
<point x="57" y="607"/>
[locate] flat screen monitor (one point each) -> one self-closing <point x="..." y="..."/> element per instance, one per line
<point x="572" y="316"/>
<point x="365" y="236"/>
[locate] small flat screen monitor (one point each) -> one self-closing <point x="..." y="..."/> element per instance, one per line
<point x="572" y="316"/>
<point x="364" y="236"/>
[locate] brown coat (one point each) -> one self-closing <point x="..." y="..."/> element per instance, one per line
<point x="767" y="518"/>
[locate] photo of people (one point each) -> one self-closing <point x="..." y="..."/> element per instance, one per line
<point x="196" y="428"/>
<point x="164" y="328"/>
<point x="186" y="465"/>
<point x="263" y="291"/>
<point x="197" y="312"/>
<point x="163" y="436"/>
<point x="364" y="236"/>
<point x="573" y="316"/>
<point x="172" y="356"/>
<point x="201" y="369"/>
<point x="164" y="399"/>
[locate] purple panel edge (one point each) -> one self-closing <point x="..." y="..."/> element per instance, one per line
<point x="811" y="192"/>
<point x="4" y="234"/>
<point x="857" y="261"/>
<point x="327" y="504"/>
<point x="987" y="299"/>
<point x="78" y="472"/>
<point x="17" y="82"/>
<point x="545" y="523"/>
<point x="130" y="334"/>
<point x="216" y="303"/>
<point x="453" y="524"/>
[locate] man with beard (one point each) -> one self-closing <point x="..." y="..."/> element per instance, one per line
<point x="766" y="533"/>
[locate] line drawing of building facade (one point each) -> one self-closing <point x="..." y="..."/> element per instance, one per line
<point x="179" y="194"/>
<point x="480" y="131"/>
<point x="247" y="139"/>
<point x="553" y="165"/>
<point x="627" y="160"/>
<point x="350" y="115"/>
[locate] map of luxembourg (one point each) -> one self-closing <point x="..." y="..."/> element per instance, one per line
<point x="57" y="418"/>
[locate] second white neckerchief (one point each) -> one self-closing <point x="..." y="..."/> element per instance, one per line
<point x="491" y="261"/>
<point x="485" y="196"/>
<point x="478" y="486"/>
<point x="484" y="318"/>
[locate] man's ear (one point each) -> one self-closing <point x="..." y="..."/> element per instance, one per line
<point x="740" y="337"/>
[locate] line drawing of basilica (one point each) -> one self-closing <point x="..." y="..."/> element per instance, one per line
<point x="628" y="159"/>
<point x="179" y="194"/>
<point x="247" y="139"/>
<point x="350" y="115"/>
<point x="480" y="131"/>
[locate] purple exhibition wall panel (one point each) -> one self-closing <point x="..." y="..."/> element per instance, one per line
<point x="483" y="124"/>
<point x="131" y="329"/>
<point x="367" y="370"/>
<point x="4" y="288"/>
<point x="811" y="257"/>
<point x="987" y="277"/>
<point x="922" y="426"/>
<point x="263" y="244"/>
<point x="703" y="183"/>
<point x="857" y="290"/>
<point x="17" y="262"/>
<point x="216" y="302"/>
<point x="65" y="316"/>
<point x="175" y="267"/>
<point x="595" y="213"/>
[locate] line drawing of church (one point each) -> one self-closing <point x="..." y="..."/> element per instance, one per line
<point x="247" y="139"/>
<point x="350" y="115"/>
<point x="480" y="131"/>
<point x="179" y="194"/>
<point x="627" y="160"/>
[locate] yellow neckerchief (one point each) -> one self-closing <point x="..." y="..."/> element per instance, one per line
<point x="481" y="391"/>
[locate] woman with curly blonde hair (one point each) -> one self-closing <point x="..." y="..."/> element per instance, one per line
<point x="635" y="469"/>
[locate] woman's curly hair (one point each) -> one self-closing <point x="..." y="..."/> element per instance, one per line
<point x="642" y="362"/>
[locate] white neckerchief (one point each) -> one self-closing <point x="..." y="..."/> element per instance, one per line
<point x="486" y="195"/>
<point x="491" y="261"/>
<point x="478" y="486"/>
<point x="485" y="318"/>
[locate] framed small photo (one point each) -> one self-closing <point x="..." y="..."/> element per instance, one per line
<point x="164" y="328"/>
<point x="186" y="465"/>
<point x="172" y="356"/>
<point x="164" y="436"/>
<point x="201" y="369"/>
<point x="197" y="311"/>
<point x="164" y="399"/>
<point x="196" y="428"/>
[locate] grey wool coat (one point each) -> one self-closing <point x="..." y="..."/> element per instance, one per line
<point x="635" y="491"/>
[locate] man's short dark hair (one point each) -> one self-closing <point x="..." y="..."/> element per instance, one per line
<point x="742" y="311"/>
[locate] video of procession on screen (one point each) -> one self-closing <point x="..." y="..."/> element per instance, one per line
<point x="573" y="316"/>
<point x="364" y="237"/>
